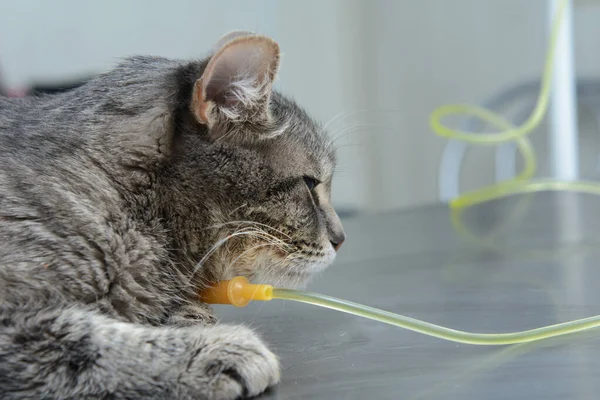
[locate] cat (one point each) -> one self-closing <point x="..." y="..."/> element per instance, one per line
<point x="122" y="198"/>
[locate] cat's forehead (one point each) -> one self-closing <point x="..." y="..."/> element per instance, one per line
<point x="303" y="147"/>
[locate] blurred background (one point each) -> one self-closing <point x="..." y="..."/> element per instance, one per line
<point x="373" y="69"/>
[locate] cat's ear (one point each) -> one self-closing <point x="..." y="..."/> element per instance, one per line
<point x="236" y="84"/>
<point x="228" y="37"/>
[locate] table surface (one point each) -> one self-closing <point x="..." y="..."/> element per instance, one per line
<point x="508" y="265"/>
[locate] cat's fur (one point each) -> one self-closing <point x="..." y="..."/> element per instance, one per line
<point x="121" y="199"/>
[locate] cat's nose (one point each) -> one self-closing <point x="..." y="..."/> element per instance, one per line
<point x="335" y="230"/>
<point x="337" y="245"/>
<point x="337" y="240"/>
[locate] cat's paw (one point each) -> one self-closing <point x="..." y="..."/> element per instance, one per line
<point x="233" y="362"/>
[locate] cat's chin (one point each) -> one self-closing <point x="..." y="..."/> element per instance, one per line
<point x="289" y="280"/>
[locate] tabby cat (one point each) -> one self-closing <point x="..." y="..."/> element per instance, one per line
<point x="121" y="199"/>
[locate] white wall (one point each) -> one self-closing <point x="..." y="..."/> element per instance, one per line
<point x="42" y="40"/>
<point x="338" y="56"/>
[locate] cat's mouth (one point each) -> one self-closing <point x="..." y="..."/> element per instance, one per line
<point x="279" y="268"/>
<point x="298" y="271"/>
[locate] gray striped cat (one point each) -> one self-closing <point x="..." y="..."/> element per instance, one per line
<point x="121" y="199"/>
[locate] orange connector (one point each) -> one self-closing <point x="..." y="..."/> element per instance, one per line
<point x="237" y="291"/>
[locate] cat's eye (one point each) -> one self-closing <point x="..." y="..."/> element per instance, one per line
<point x="310" y="182"/>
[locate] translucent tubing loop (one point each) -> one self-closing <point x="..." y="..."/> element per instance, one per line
<point x="522" y="183"/>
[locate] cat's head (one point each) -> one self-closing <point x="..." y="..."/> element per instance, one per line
<point x="253" y="172"/>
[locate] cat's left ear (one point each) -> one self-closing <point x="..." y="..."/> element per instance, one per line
<point x="229" y="37"/>
<point x="236" y="84"/>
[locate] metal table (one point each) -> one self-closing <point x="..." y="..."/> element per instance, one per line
<point x="511" y="264"/>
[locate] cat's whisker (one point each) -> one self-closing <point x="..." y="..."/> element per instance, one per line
<point x="220" y="225"/>
<point x="343" y="115"/>
<point x="238" y="208"/>
<point x="346" y="133"/>
<point x="268" y="227"/>
<point x="257" y="233"/>
<point x="339" y="116"/>
<point x="265" y="235"/>
<point x="335" y="135"/>
<point x="343" y="146"/>
<point x="214" y="248"/>
<point x="243" y="253"/>
<point x="352" y="129"/>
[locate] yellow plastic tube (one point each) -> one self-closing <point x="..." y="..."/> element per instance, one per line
<point x="239" y="292"/>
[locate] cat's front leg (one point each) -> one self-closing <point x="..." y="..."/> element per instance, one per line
<point x="66" y="352"/>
